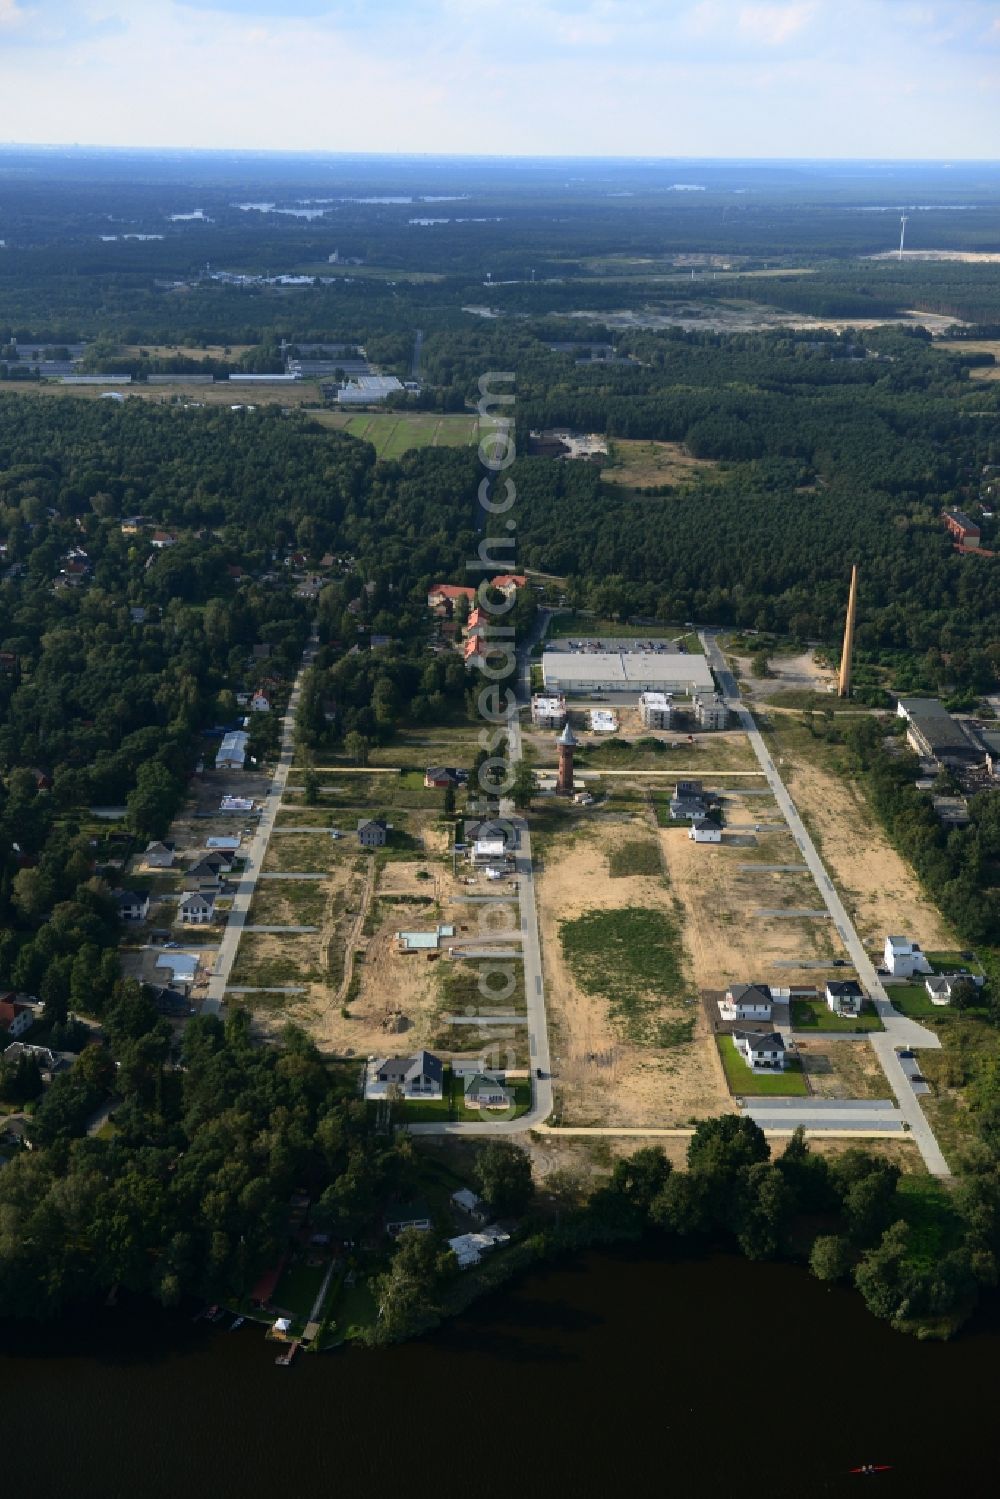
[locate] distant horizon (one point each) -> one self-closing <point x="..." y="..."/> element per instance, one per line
<point x="645" y="158"/>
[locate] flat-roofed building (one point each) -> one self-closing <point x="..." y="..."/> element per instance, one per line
<point x="710" y="711"/>
<point x="364" y="388"/>
<point x="934" y="735"/>
<point x="548" y="712"/>
<point x="656" y="710"/>
<point x="596" y="670"/>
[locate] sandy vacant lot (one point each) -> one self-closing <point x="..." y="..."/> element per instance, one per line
<point x="724" y="942"/>
<point x="601" y="1079"/>
<point x="879" y="888"/>
<point x="788" y="673"/>
<point x="634" y="463"/>
<point x="842" y="1069"/>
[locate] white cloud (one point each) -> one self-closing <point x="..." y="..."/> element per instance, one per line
<point x="713" y="77"/>
<point x="774" y="24"/>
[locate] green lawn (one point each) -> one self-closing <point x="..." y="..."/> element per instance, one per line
<point x="788" y="1084"/>
<point x="298" y="1288"/>
<point x="953" y="962"/>
<point x="353" y="1310"/>
<point x="913" y="1000"/>
<point x="815" y="1014"/>
<point x="451" y="1105"/>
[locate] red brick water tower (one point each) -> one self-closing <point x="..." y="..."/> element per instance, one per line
<point x="566" y="743"/>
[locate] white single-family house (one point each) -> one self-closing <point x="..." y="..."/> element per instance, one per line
<point x="197" y="908"/>
<point x="762" y="1051"/>
<point x="845" y="996"/>
<point x="158" y="856"/>
<point x="469" y="1249"/>
<point x="941" y="986"/>
<point x="747" y="1002"/>
<point x="420" y="1076"/>
<point x="133" y="905"/>
<point x="485" y="1092"/>
<point x="703" y="830"/>
<point x="904" y="958"/>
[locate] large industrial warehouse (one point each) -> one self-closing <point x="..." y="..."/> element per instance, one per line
<point x="588" y="668"/>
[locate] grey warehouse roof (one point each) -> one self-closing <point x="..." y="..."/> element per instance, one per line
<point x="626" y="670"/>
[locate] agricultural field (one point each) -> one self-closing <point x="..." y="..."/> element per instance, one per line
<point x="393" y="433"/>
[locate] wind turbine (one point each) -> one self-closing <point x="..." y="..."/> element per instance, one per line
<point x="902" y="234"/>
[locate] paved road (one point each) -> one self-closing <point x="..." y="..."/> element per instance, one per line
<point x="219" y="982"/>
<point x="293" y="876"/>
<point x="898" y="1030"/>
<point x="534" y="982"/>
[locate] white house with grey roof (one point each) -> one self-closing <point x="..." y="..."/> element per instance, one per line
<point x="372" y="832"/>
<point x="763" y="1051"/>
<point x="196" y="908"/>
<point x="420" y="1076"/>
<point x="904" y="958"/>
<point x="844" y="996"/>
<point x="747" y="1002"/>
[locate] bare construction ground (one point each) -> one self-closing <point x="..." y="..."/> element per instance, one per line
<point x="878" y="886"/>
<point x="724" y="941"/>
<point x="842" y="1069"/>
<point x="602" y="1078"/>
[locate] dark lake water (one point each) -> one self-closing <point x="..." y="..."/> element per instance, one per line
<point x="616" y="1373"/>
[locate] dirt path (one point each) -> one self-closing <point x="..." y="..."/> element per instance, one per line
<point x="354" y="935"/>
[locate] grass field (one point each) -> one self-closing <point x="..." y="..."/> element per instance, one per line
<point x="632" y="958"/>
<point x="913" y="1000"/>
<point x="636" y="464"/>
<point x="638" y="856"/>
<point x="298" y="1288"/>
<point x="815" y="1014"/>
<point x="788" y="1084"/>
<point x="393" y="433"/>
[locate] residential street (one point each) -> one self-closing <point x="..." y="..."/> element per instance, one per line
<point x="898" y="1029"/>
<point x="534" y="983"/>
<point x="257" y="851"/>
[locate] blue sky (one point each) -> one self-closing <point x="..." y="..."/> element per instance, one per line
<point x="813" y="78"/>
